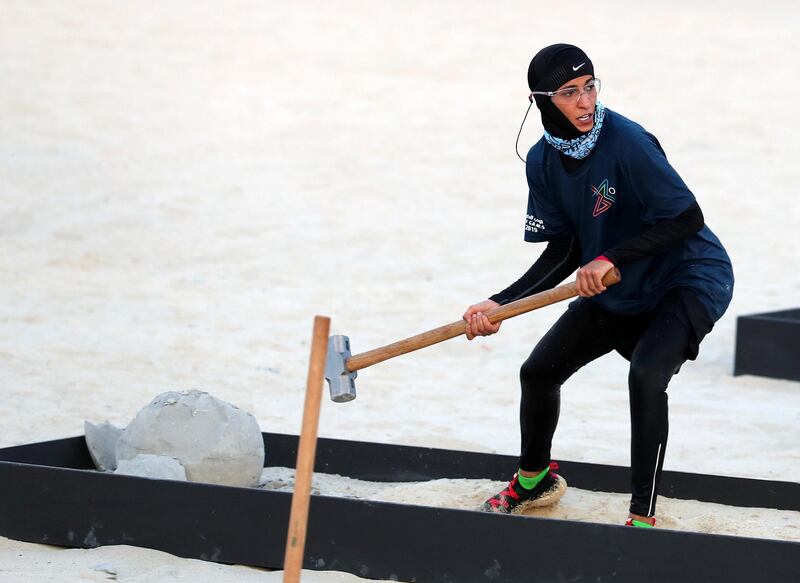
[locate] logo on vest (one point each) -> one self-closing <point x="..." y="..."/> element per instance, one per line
<point x="533" y="225"/>
<point x="605" y="197"/>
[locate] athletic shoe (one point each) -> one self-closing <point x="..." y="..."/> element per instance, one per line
<point x="639" y="523"/>
<point x="515" y="499"/>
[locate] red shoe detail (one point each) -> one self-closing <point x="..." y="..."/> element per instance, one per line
<point x="501" y="498"/>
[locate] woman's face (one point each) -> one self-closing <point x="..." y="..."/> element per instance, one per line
<point x="577" y="102"/>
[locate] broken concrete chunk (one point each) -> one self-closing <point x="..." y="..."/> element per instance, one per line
<point x="108" y="568"/>
<point x="152" y="466"/>
<point x="101" y="440"/>
<point x="214" y="441"/>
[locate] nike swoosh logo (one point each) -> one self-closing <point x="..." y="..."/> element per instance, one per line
<point x="578" y="67"/>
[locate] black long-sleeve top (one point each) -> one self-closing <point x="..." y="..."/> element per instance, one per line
<point x="562" y="255"/>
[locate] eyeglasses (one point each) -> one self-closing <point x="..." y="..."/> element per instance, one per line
<point x="570" y="94"/>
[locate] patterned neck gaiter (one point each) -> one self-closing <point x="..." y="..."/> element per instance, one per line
<point x="581" y="146"/>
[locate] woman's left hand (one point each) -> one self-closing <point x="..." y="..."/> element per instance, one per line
<point x="590" y="277"/>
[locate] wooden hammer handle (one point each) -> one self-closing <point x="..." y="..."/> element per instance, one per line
<point x="545" y="298"/>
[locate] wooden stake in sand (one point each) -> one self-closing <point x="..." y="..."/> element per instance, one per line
<point x="306" y="451"/>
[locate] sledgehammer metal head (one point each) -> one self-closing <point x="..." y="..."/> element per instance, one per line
<point x="341" y="381"/>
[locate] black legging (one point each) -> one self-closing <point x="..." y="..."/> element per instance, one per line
<point x="656" y="344"/>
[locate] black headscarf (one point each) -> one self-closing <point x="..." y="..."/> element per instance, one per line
<point x="550" y="69"/>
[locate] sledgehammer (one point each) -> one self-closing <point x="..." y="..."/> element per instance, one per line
<point x="341" y="368"/>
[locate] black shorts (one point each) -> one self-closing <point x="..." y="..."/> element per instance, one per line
<point x="681" y="302"/>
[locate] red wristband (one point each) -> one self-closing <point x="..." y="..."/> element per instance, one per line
<point x="603" y="258"/>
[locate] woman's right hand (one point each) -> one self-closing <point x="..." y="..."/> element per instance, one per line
<point x="477" y="322"/>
